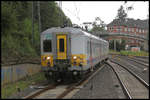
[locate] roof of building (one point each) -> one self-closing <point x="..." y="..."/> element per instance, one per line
<point x="130" y="23"/>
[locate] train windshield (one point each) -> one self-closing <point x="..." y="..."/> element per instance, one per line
<point x="47" y="46"/>
<point x="61" y="45"/>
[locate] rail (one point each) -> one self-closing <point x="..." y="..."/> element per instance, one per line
<point x="69" y="88"/>
<point x="79" y="84"/>
<point x="126" y="92"/>
<point x="141" y="62"/>
<point x="130" y="93"/>
<point x="140" y="79"/>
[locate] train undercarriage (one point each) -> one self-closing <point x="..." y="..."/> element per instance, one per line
<point x="60" y="72"/>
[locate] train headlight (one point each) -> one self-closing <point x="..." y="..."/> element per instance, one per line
<point x="48" y="58"/>
<point x="75" y="57"/>
<point x="50" y="73"/>
<point x="75" y="73"/>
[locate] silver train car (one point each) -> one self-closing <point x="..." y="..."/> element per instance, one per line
<point x="70" y="52"/>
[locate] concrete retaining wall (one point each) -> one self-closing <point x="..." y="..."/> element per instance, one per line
<point x="15" y="72"/>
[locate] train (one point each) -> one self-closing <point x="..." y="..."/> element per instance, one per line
<point x="70" y="52"/>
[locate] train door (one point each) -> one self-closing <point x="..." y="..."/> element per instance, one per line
<point x="61" y="47"/>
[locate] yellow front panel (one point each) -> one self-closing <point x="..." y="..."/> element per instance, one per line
<point x="61" y="47"/>
<point x="44" y="60"/>
<point x="80" y="58"/>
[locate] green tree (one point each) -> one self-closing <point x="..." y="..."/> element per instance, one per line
<point x="123" y="44"/>
<point x="16" y="24"/>
<point x="121" y="14"/>
<point x="119" y="45"/>
<point x="98" y="25"/>
<point x="111" y="44"/>
<point x="9" y="19"/>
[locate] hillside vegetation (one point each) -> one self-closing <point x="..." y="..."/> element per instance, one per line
<point x="16" y="21"/>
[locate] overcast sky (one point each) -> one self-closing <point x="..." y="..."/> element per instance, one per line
<point x="86" y="11"/>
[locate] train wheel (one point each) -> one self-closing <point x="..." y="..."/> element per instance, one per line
<point x="46" y="75"/>
<point x="75" y="78"/>
<point x="81" y="75"/>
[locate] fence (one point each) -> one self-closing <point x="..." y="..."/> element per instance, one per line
<point x="15" y="72"/>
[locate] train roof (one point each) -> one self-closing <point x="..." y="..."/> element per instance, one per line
<point x="72" y="30"/>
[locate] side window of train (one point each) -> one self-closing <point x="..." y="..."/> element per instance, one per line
<point x="47" y="46"/>
<point x="88" y="47"/>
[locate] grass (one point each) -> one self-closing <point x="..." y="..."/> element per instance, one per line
<point x="131" y="53"/>
<point x="8" y="90"/>
<point x="113" y="52"/>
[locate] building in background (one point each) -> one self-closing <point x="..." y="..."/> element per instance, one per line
<point x="130" y="26"/>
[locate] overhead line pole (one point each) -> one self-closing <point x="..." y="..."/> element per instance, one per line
<point x="32" y="22"/>
<point x="60" y="5"/>
<point x="39" y="16"/>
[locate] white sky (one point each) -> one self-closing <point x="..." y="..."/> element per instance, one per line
<point x="106" y="10"/>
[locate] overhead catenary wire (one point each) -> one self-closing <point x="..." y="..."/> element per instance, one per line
<point x="77" y="11"/>
<point x="60" y="5"/>
<point x="75" y="15"/>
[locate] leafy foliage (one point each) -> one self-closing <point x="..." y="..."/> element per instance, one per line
<point x="121" y="13"/>
<point x="119" y="45"/>
<point x="98" y="25"/>
<point x="16" y="24"/>
<point x="9" y="20"/>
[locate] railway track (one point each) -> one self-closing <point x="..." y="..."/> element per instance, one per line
<point x="141" y="62"/>
<point x="35" y="94"/>
<point x="143" y="57"/>
<point x="145" y="60"/>
<point x="138" y="69"/>
<point x="62" y="91"/>
<point x="134" y="87"/>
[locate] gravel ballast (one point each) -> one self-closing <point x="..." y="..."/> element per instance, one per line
<point x="104" y="85"/>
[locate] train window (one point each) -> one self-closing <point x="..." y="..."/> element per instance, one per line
<point x="88" y="47"/>
<point x="61" y="45"/>
<point x="47" y="46"/>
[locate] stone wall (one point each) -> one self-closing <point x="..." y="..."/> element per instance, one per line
<point x="15" y="72"/>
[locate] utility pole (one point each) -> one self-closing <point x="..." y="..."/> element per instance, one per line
<point x="38" y="3"/>
<point x="148" y="30"/>
<point x="60" y="5"/>
<point x="39" y="17"/>
<point x="86" y="24"/>
<point x="114" y="45"/>
<point x="32" y="23"/>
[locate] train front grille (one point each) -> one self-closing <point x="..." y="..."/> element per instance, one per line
<point x="62" y="61"/>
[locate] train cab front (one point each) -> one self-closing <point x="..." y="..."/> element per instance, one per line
<point x="55" y="57"/>
<point x="62" y="61"/>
